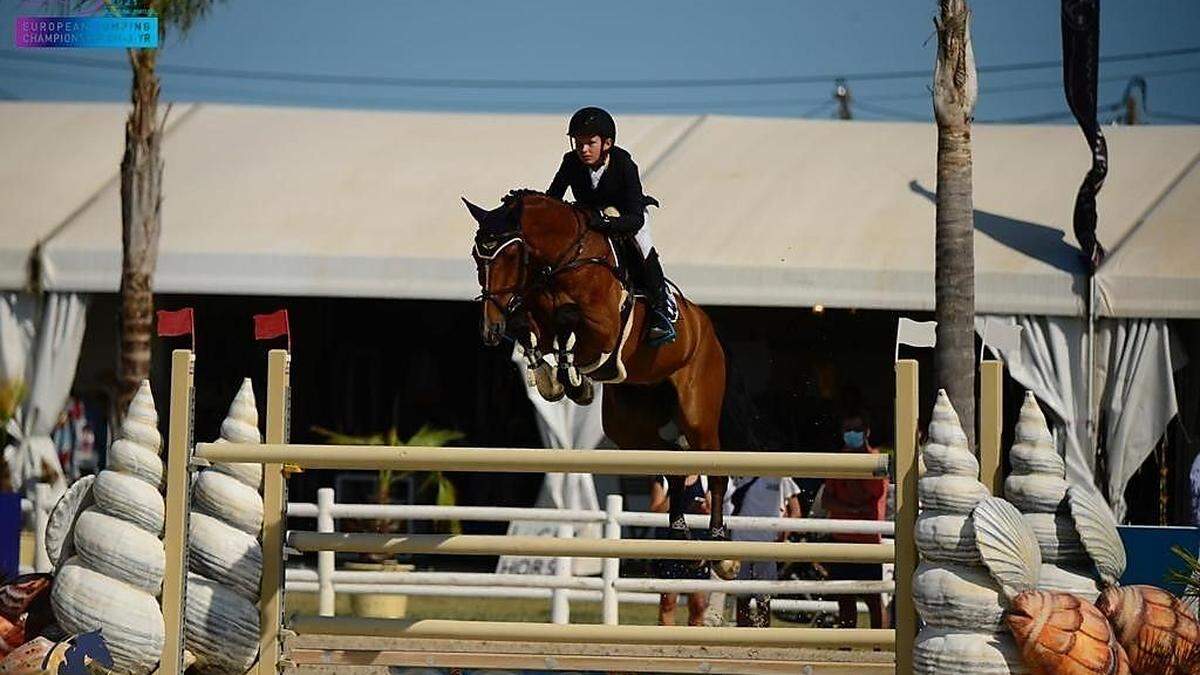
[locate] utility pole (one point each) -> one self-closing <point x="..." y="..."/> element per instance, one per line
<point x="841" y="94"/>
<point x="1133" y="110"/>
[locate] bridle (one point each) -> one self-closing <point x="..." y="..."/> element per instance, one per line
<point x="485" y="251"/>
<point x="531" y="278"/>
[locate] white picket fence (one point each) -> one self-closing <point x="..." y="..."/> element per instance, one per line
<point x="560" y="588"/>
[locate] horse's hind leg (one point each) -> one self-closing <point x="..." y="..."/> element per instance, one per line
<point x="700" y="390"/>
<point x="633" y="418"/>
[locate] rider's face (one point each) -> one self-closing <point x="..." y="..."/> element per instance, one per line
<point x="591" y="148"/>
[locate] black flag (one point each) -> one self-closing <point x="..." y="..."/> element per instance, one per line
<point x="1081" y="55"/>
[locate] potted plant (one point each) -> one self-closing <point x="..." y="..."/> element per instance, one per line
<point x="394" y="605"/>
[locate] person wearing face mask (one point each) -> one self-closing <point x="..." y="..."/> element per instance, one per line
<point x="857" y="499"/>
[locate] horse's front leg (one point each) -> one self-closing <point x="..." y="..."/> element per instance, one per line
<point x="538" y="372"/>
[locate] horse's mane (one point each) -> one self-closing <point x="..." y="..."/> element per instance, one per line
<point x="514" y="200"/>
<point x="514" y="196"/>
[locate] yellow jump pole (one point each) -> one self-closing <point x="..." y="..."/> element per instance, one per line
<point x="486" y="544"/>
<point x="991" y="413"/>
<point x="906" y="511"/>
<point x="513" y="631"/>
<point x="179" y="443"/>
<point x="539" y="460"/>
<point x="270" y="647"/>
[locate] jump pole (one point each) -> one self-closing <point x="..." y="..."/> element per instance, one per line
<point x="178" y="498"/>
<point x="991" y="414"/>
<point x="907" y="391"/>
<point x="270" y="648"/>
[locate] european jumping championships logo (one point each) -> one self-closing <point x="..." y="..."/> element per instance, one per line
<point x="114" y="23"/>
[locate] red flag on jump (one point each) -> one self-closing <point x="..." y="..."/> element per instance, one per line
<point x="179" y="322"/>
<point x="273" y="325"/>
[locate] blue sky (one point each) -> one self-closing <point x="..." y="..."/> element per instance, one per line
<point x="621" y="40"/>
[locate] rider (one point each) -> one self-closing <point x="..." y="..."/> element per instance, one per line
<point x="603" y="178"/>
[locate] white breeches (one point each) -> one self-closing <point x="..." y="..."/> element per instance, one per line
<point x="643" y="238"/>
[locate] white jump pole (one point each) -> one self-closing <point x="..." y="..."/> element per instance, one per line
<point x="327" y="601"/>
<point x="560" y="602"/>
<point x="611" y="570"/>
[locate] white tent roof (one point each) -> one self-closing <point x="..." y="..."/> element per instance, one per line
<point x="287" y="201"/>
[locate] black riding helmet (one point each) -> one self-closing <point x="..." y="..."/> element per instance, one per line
<point x="592" y="121"/>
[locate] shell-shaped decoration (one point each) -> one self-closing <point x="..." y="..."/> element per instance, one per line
<point x="18" y="595"/>
<point x="1097" y="529"/>
<point x="1007" y="546"/>
<point x="1159" y="633"/>
<point x="961" y="597"/>
<point x="1057" y="537"/>
<point x="225" y="554"/>
<point x="116" y="564"/>
<point x="948" y="537"/>
<point x="1037" y="492"/>
<point x="1061" y="633"/>
<point x="131" y="499"/>
<point x="951" y="494"/>
<point x="944" y="424"/>
<point x="1069" y="579"/>
<point x="120" y="550"/>
<point x="60" y="527"/>
<point x="939" y="651"/>
<point x="228" y="499"/>
<point x="141" y="420"/>
<point x="241" y="426"/>
<point x="1038" y="482"/>
<point x="128" y="457"/>
<point x="1033" y="449"/>
<point x="948" y="459"/>
<point x="221" y="627"/>
<point x="130" y="620"/>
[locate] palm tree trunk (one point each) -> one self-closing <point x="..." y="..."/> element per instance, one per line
<point x="141" y="203"/>
<point x="955" y="91"/>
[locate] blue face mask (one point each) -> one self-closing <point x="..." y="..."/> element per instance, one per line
<point x="854" y="439"/>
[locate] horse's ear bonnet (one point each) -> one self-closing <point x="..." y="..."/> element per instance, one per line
<point x="497" y="225"/>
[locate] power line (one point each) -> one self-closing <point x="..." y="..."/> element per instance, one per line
<point x="1191" y="119"/>
<point x="470" y="83"/>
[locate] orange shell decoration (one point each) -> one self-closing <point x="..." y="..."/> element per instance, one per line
<point x="1159" y="633"/>
<point x="39" y="656"/>
<point x="1061" y="634"/>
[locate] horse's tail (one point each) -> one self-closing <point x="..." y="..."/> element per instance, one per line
<point x="739" y="415"/>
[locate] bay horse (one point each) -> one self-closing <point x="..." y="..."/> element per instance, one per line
<point x="554" y="285"/>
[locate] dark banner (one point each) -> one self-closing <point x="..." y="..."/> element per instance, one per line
<point x="1081" y="55"/>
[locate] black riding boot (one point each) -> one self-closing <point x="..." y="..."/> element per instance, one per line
<point x="659" y="329"/>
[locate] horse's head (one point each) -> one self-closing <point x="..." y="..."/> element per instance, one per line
<point x="501" y="259"/>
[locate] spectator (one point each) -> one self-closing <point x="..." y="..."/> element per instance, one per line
<point x="857" y="499"/>
<point x="770" y="497"/>
<point x="699" y="501"/>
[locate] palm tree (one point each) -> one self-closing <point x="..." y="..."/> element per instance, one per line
<point x="141" y="195"/>
<point x="955" y="90"/>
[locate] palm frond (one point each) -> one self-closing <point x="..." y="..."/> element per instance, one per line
<point x="1189" y="577"/>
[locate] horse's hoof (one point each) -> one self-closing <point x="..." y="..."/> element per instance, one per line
<point x="547" y="386"/>
<point x="584" y="394"/>
<point x="727" y="570"/>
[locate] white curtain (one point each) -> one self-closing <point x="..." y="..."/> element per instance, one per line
<point x="1052" y="364"/>
<point x="1134" y="390"/>
<point x="40" y="347"/>
<point x="561" y="424"/>
<point x="1134" y="361"/>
